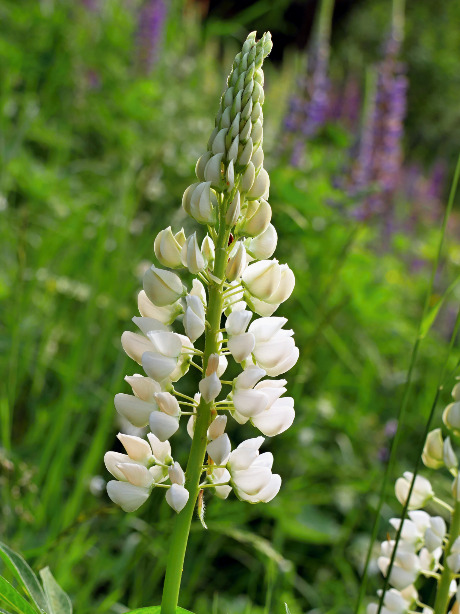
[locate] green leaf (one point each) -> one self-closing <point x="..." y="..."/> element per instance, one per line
<point x="156" y="609"/>
<point x="24" y="574"/>
<point x="59" y="600"/>
<point x="288" y="611"/>
<point x="10" y="596"/>
<point x="431" y="316"/>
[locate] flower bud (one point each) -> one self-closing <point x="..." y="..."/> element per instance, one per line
<point x="126" y="495"/>
<point x="162" y="287"/>
<point x="218" y="145"/>
<point x="236" y="263"/>
<point x="167" y="403"/>
<point x="217" y="427"/>
<point x="219" y="449"/>
<point x="257" y="130"/>
<point x="210" y="387"/>
<point x="176" y="474"/>
<point x="260" y="187"/>
<point x="157" y="366"/>
<point x="135" y="345"/>
<point x="201" y="165"/>
<point x="202" y="202"/>
<point x="258" y="157"/>
<point x="421" y="493"/>
<point x="192" y="257"/>
<point x="449" y="456"/>
<point x="163" y="425"/>
<point x="233" y="150"/>
<point x="187" y="197"/>
<point x="230" y="176"/>
<point x="451" y="417"/>
<point x="285" y="287"/>
<point x="138" y="475"/>
<point x="433" y="451"/>
<point x="213" y="364"/>
<point x="194" y="318"/>
<point x="147" y="325"/>
<point x="168" y="247"/>
<point x="264" y="245"/>
<point x="198" y="290"/>
<point x="161" y="449"/>
<point x="177" y="497"/>
<point x="257" y="219"/>
<point x="137" y="449"/>
<point x="143" y="387"/>
<point x="248" y="178"/>
<point x="237" y="322"/>
<point x="233" y="211"/>
<point x="213" y="171"/>
<point x="245" y="156"/>
<point x="262" y="278"/>
<point x="208" y="249"/>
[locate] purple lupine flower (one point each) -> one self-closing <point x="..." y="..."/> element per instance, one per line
<point x="151" y="22"/>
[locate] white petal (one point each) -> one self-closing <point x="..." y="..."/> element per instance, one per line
<point x="143" y="387"/>
<point x="237" y="322"/>
<point x="166" y="343"/>
<point x="210" y="387"/>
<point x="250" y="403"/>
<point x="112" y="460"/>
<point x="241" y="346"/>
<point x="138" y="475"/>
<point x="177" y="497"/>
<point x="167" y="403"/>
<point x="135" y="345"/>
<point x="148" y="324"/>
<point x="138" y="449"/>
<point x="251" y="480"/>
<point x="133" y="409"/>
<point x="194" y="326"/>
<point x="162" y="425"/>
<point x="176" y="474"/>
<point x="271" y="490"/>
<point x="265" y="329"/>
<point x="219" y="449"/>
<point x="249" y="377"/>
<point x="127" y="496"/>
<point x="157" y="366"/>
<point x="277" y="419"/>
<point x="161" y="449"/>
<point x="217" y="427"/>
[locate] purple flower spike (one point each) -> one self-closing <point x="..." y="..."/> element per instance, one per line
<point x="152" y="17"/>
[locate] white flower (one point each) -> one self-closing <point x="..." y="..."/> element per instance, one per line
<point x="219" y="449"/>
<point x="167" y="403"/>
<point x="177" y="497"/>
<point x="220" y="477"/>
<point x="191" y="255"/>
<point x="176" y="474"/>
<point x="236" y="263"/>
<point x="264" y="245"/>
<point x="233" y="211"/>
<point x="133" y="409"/>
<point x="143" y="387"/>
<point x="277" y="418"/>
<point x="210" y="387"/>
<point x="269" y="281"/>
<point x="198" y="290"/>
<point x="257" y="218"/>
<point x="208" y="250"/>
<point x="161" y="362"/>
<point x="194" y="317"/>
<point x="433" y="451"/>
<point x="451" y="417"/>
<point x="162" y="287"/>
<point x="199" y="201"/>
<point x="217" y="427"/>
<point x="421" y="493"/>
<point x="406" y="566"/>
<point x="261" y="184"/>
<point x="166" y="314"/>
<point x="163" y="425"/>
<point x="394" y="603"/>
<point x="275" y="350"/>
<point x="168" y="247"/>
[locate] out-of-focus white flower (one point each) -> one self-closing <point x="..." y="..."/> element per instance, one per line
<point x="194" y="317"/>
<point x="435" y="533"/>
<point x="453" y="560"/>
<point x="275" y="350"/>
<point x="421" y="493"/>
<point x="393" y="603"/>
<point x="162" y="287"/>
<point x="433" y="451"/>
<point x="448" y="454"/>
<point x="168" y="247"/>
<point x="451" y="417"/>
<point x="406" y="566"/>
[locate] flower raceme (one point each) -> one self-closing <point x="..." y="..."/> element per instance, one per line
<point x="203" y="325"/>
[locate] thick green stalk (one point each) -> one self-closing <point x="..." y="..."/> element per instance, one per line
<point x="181" y="530"/>
<point x="442" y="594"/>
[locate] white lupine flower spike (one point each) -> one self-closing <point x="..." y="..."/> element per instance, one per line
<point x="234" y="281"/>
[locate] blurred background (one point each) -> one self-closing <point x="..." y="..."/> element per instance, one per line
<point x="105" y="106"/>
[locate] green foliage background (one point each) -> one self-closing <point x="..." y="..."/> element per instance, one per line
<point x="95" y="157"/>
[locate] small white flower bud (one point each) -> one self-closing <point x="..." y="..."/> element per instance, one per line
<point x="233" y="211"/>
<point x="167" y="248"/>
<point x="248" y="178"/>
<point x="162" y="287"/>
<point x="449" y="456"/>
<point x="451" y="417"/>
<point x="192" y="257"/>
<point x="257" y="131"/>
<point x="228" y="97"/>
<point x="198" y="290"/>
<point x="433" y="451"/>
<point x="219" y="449"/>
<point x="218" y="146"/>
<point x="210" y="387"/>
<point x="264" y="245"/>
<point x="225" y="120"/>
<point x="230" y="176"/>
<point x="246" y="112"/>
<point x="176" y="474"/>
<point x="126" y="495"/>
<point x="213" y="364"/>
<point x="191" y="426"/>
<point x="260" y="185"/>
<point x="213" y="170"/>
<point x="258" y="157"/>
<point x="435" y="533"/>
<point x="233" y="149"/>
<point x="201" y="165"/>
<point x="217" y="427"/>
<point x="245" y="156"/>
<point x="236" y="263"/>
<point x="208" y="249"/>
<point x="256" y="112"/>
<point x="202" y="203"/>
<point x="187" y="197"/>
<point x="167" y="403"/>
<point x="133" y="409"/>
<point x="177" y="497"/>
<point x="163" y="425"/>
<point x="194" y="318"/>
<point x="258" y="218"/>
<point x="421" y="493"/>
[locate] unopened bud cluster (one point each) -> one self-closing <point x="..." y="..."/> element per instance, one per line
<point x="429" y="545"/>
<point x="235" y="279"/>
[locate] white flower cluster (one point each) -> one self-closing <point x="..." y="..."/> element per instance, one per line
<point x="426" y="547"/>
<point x="234" y="277"/>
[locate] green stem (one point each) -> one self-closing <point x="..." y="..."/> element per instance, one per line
<point x="442" y="594"/>
<point x="179" y="537"/>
